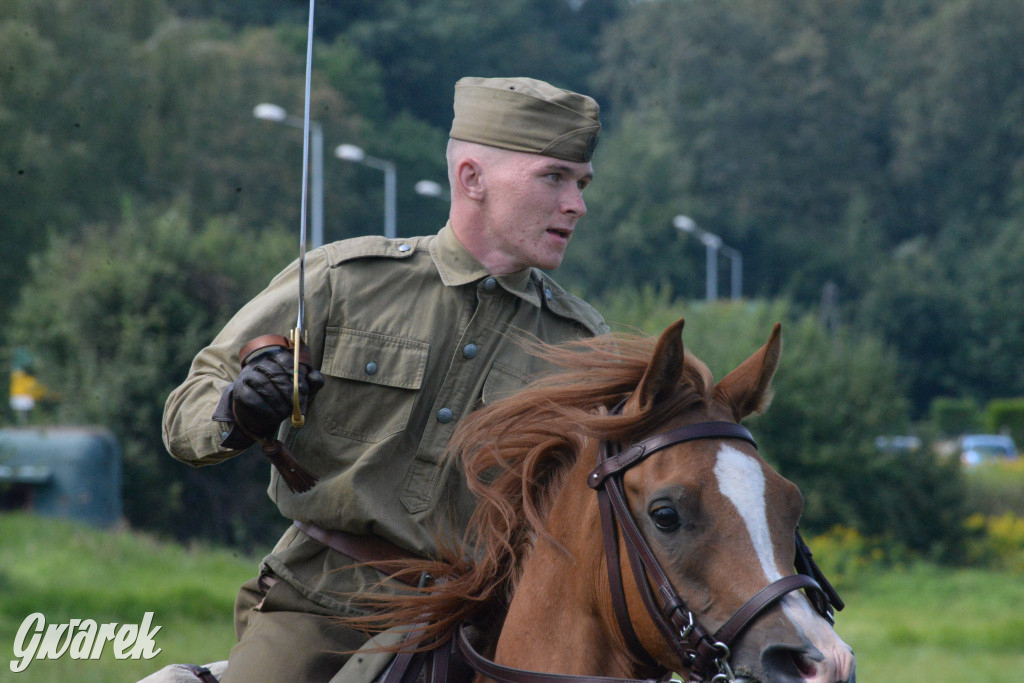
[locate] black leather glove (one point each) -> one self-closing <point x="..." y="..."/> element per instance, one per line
<point x="261" y="396"/>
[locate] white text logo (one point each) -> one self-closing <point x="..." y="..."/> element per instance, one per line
<point x="81" y="639"/>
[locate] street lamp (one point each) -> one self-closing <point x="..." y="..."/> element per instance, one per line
<point x="357" y="155"/>
<point x="714" y="246"/>
<point x="428" y="188"/>
<point x="277" y="114"/>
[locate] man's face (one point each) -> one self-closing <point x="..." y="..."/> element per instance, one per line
<point x="532" y="205"/>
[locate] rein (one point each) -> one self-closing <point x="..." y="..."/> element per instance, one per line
<point x="705" y="654"/>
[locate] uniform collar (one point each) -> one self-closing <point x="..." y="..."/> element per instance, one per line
<point x="457" y="267"/>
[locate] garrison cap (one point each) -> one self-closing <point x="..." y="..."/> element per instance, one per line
<point x="526" y="115"/>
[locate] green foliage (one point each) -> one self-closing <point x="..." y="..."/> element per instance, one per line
<point x="996" y="541"/>
<point x="996" y="488"/>
<point x="847" y="557"/>
<point x="954" y="416"/>
<point x="813" y="137"/>
<point x="759" y="98"/>
<point x="1006" y="414"/>
<point x="114" y="319"/>
<point x="427" y="45"/>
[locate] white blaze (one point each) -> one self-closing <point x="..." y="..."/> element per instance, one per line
<point x="741" y="480"/>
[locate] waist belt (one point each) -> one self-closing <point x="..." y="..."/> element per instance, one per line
<point x="363" y="549"/>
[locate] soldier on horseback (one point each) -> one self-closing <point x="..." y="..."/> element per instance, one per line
<point x="405" y="338"/>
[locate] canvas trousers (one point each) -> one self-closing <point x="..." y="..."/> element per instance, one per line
<point x="284" y="637"/>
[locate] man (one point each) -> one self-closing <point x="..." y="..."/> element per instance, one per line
<point x="408" y="336"/>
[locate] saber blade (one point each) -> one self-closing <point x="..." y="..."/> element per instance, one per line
<point x="298" y="335"/>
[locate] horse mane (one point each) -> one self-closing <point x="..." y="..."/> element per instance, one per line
<point x="514" y="454"/>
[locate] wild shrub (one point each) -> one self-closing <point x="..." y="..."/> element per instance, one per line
<point x="996" y="542"/>
<point x="996" y="488"/>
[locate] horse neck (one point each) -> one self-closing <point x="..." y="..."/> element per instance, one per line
<point x="556" y="622"/>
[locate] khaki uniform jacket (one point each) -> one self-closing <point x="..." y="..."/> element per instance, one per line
<point x="411" y="335"/>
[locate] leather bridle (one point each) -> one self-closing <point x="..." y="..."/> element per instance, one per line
<point x="706" y="655"/>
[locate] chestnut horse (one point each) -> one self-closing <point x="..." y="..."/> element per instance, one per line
<point x="533" y="575"/>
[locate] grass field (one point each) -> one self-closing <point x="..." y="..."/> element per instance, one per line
<point x="67" y="571"/>
<point x="920" y="624"/>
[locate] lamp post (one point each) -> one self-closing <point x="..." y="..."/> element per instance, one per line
<point x="357" y="155"/>
<point x="714" y="246"/>
<point x="277" y="114"/>
<point x="428" y="188"/>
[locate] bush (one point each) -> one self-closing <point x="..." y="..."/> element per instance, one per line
<point x="996" y="542"/>
<point x="1006" y="415"/>
<point x="955" y="416"/>
<point x="996" y="488"/>
<point x="845" y="555"/>
<point x="114" y="319"/>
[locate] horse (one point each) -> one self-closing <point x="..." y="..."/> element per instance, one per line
<point x="708" y="529"/>
<point x="688" y="508"/>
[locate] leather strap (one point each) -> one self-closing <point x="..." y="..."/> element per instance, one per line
<point x="269" y="341"/>
<point x="805" y="564"/>
<point x="506" y="674"/>
<point x="440" y="662"/>
<point x="201" y="673"/>
<point x="265" y="341"/>
<point x="692" y="644"/>
<point x="363" y="549"/>
<point x="771" y="593"/>
<point x="614" y="573"/>
<point x="639" y="451"/>
<point x="406" y="667"/>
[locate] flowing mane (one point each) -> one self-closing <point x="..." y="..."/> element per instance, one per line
<point x="514" y="454"/>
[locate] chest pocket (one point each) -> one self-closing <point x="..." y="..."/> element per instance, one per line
<point x="372" y="382"/>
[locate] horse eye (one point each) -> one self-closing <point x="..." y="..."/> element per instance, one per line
<point x="665" y="518"/>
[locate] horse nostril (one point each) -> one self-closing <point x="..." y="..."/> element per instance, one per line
<point x="789" y="665"/>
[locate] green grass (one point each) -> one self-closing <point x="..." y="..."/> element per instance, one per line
<point x="936" y="624"/>
<point x="923" y="623"/>
<point x="68" y="571"/>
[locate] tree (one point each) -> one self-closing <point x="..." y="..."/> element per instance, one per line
<point x="771" y="123"/>
<point x="425" y="46"/>
<point x="957" y="88"/>
<point x="114" y="317"/>
<point x="65" y="107"/>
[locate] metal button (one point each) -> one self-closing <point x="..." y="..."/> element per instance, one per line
<point x="469" y="351"/>
<point x="223" y="435"/>
<point x="371" y="368"/>
<point x="404" y="247"/>
<point x="490" y="283"/>
<point x="547" y="293"/>
<point x="445" y="415"/>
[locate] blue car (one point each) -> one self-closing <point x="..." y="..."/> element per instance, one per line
<point x="978" y="448"/>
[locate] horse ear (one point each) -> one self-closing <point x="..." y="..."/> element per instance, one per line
<point x="747" y="389"/>
<point x="663" y="372"/>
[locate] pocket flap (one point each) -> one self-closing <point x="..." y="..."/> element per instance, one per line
<point x="375" y="358"/>
<point x="502" y="381"/>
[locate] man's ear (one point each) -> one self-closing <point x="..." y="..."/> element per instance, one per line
<point x="470" y="178"/>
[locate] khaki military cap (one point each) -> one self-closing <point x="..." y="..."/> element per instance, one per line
<point x="526" y="115"/>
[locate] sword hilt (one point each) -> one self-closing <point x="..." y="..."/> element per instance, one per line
<point x="298" y="478"/>
<point x="298" y="419"/>
<point x="293" y="343"/>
